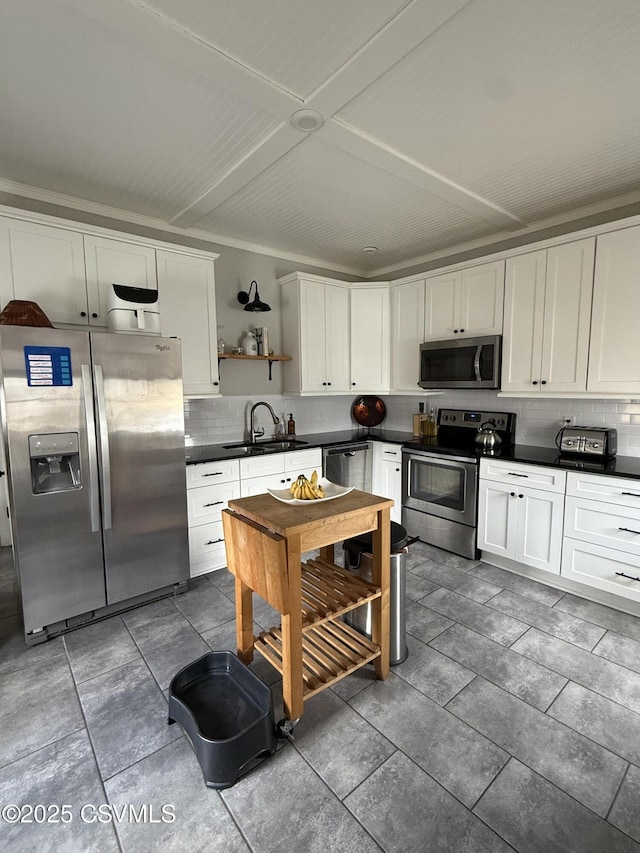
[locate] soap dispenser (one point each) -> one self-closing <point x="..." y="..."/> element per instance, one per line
<point x="291" y="425"/>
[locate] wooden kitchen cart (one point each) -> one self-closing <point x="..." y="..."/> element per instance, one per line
<point x="312" y="648"/>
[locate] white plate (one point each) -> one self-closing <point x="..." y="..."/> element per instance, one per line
<point x="331" y="491"/>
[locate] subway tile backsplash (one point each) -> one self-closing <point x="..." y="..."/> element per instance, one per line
<point x="538" y="421"/>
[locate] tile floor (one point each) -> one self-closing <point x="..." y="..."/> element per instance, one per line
<point x="513" y="725"/>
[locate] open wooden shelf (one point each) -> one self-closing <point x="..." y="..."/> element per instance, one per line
<point x="329" y="591"/>
<point x="330" y="652"/>
<point x="222" y="356"/>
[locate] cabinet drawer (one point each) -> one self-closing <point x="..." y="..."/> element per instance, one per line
<point x="601" y="567"/>
<point x="616" y="490"/>
<point x="208" y="473"/>
<point x="206" y="543"/>
<point x="260" y="466"/>
<point x="301" y="459"/>
<point x="389" y="452"/>
<point x="206" y="503"/>
<point x="604" y="524"/>
<point x="535" y="476"/>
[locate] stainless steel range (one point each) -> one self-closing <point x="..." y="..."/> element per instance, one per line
<point x="440" y="478"/>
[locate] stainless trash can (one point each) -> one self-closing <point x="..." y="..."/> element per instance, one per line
<point x="359" y="560"/>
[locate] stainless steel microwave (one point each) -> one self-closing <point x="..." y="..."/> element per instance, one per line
<point x="461" y="363"/>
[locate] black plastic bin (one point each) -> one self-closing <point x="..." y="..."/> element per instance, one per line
<point x="227" y="714"/>
<point x="359" y="560"/>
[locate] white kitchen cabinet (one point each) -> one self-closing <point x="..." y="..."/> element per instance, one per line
<point x="110" y="262"/>
<point x="186" y="288"/>
<point x="601" y="544"/>
<point x="315" y="333"/>
<point x="43" y="264"/>
<point x="467" y="302"/>
<point x="517" y="521"/>
<point x="370" y="338"/>
<point x="407" y="333"/>
<point x="615" y="344"/>
<point x="277" y="470"/>
<point x="547" y="313"/>
<point x="387" y="475"/>
<point x="210" y="486"/>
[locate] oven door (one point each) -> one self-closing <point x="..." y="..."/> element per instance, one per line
<point x="445" y="486"/>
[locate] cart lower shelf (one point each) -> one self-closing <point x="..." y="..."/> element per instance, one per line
<point x="330" y="651"/>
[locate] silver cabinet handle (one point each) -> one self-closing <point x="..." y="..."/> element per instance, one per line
<point x="105" y="458"/>
<point x="94" y="496"/>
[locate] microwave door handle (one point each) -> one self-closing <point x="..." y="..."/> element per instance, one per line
<point x="103" y="435"/>
<point x="94" y="500"/>
<point x="476" y="363"/>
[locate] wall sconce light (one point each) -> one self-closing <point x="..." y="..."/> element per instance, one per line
<point x="257" y="304"/>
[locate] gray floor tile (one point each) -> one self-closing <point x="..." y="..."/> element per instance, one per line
<point x="39" y="706"/>
<point x="167" y="641"/>
<point x="224" y="580"/>
<point x="460" y="759"/>
<point x="432" y="673"/>
<point x="463" y="582"/>
<point x="579" y="766"/>
<point x="95" y="649"/>
<point x="405" y="809"/>
<point x="347" y="687"/>
<point x="600" y="614"/>
<point x="126" y="715"/>
<point x="417" y="587"/>
<point x="172" y="777"/>
<point x="484" y="620"/>
<point x="536" y="817"/>
<point x="523" y="586"/>
<point x="549" y="619"/>
<point x="604" y="677"/>
<point x="16" y="653"/>
<point x="424" y="623"/>
<point x="342" y="762"/>
<point x="444" y="557"/>
<point x="619" y="649"/>
<point x="532" y="682"/>
<point x="603" y="721"/>
<point x="284" y="805"/>
<point x="205" y="605"/>
<point x="62" y="773"/>
<point x="625" y="814"/>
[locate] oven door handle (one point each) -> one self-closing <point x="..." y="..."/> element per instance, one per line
<point x="476" y="363"/>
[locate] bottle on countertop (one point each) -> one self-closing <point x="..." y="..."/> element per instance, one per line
<point x="281" y="429"/>
<point x="291" y="425"/>
<point x="417" y="420"/>
<point x="429" y="425"/>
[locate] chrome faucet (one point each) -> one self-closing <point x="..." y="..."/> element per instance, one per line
<point x="256" y="433"/>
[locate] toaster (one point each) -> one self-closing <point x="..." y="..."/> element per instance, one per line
<point x="601" y="442"/>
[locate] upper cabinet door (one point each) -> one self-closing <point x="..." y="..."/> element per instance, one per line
<point x="370" y="339"/>
<point x="312" y="337"/>
<point x="407" y="333"/>
<point x="45" y="265"/>
<point x="567" y="316"/>
<point x="482" y="299"/>
<point x="337" y="338"/>
<point x="186" y="288"/>
<point x="615" y="342"/>
<point x="523" y="322"/>
<point x="115" y="262"/>
<point x="442" y="306"/>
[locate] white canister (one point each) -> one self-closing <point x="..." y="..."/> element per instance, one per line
<point x="250" y="344"/>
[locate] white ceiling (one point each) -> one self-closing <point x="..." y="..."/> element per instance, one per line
<point x="447" y="122"/>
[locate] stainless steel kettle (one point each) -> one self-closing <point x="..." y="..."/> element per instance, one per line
<point x="487" y="437"/>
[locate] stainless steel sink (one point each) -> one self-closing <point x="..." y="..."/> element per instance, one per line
<point x="257" y="447"/>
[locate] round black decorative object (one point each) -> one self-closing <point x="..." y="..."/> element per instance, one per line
<point x="369" y="411"/>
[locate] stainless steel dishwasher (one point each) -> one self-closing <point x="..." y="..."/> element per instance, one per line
<point x="349" y="465"/>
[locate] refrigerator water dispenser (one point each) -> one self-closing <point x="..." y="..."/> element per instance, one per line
<point x="55" y="462"/>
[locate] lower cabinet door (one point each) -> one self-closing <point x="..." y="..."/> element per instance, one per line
<point x="497" y="518"/>
<point x="539" y="529"/>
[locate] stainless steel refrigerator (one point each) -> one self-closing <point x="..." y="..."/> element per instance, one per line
<point x="93" y="425"/>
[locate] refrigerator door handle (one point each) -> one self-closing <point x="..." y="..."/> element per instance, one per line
<point x="103" y="435"/>
<point x="94" y="498"/>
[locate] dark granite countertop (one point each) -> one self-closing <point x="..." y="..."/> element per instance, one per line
<point x="619" y="466"/>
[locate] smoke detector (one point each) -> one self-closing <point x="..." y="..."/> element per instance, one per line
<point x="307" y="120"/>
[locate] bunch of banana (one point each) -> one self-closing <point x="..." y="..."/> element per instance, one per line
<point x="306" y="490"/>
